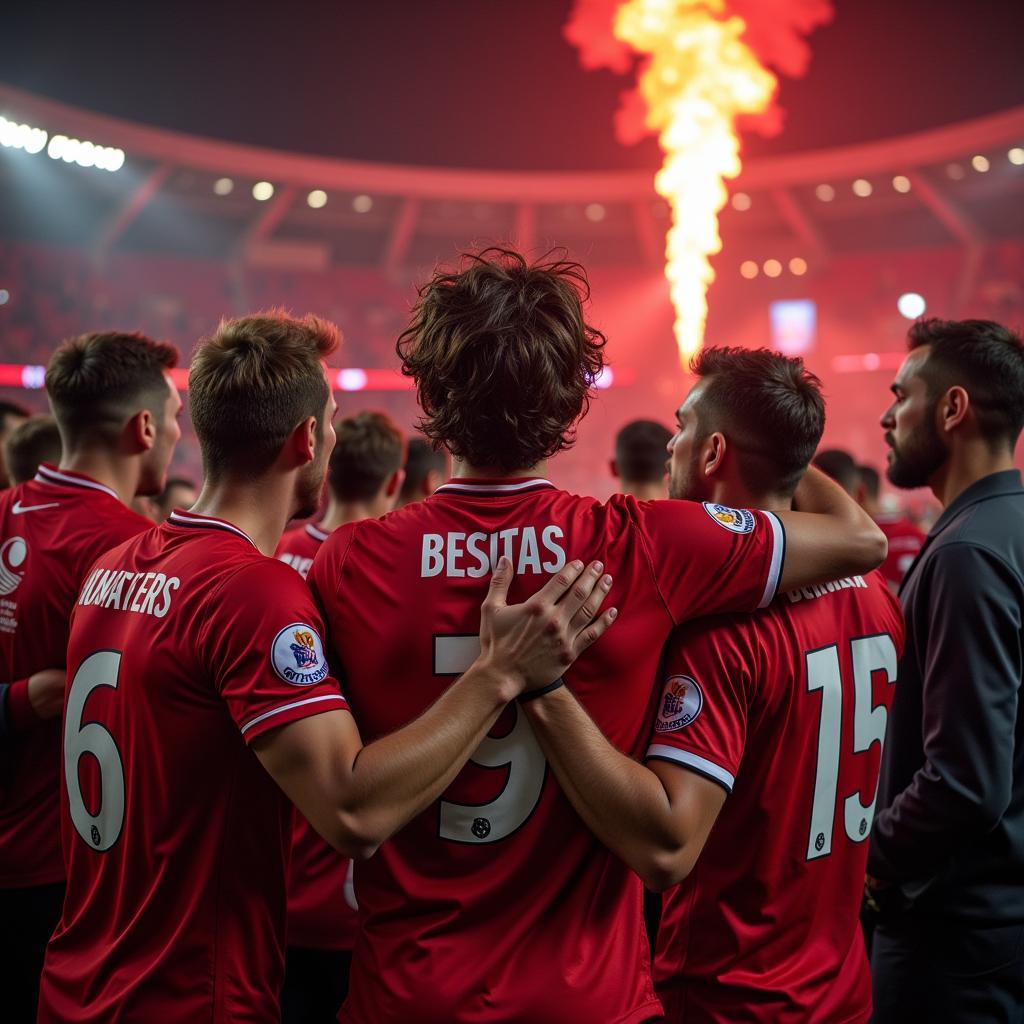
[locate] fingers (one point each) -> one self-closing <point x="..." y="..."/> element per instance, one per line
<point x="591" y="606"/>
<point x="593" y="632"/>
<point x="501" y="580"/>
<point x="559" y="585"/>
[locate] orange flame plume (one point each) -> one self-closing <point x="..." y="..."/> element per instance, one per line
<point x="700" y="73"/>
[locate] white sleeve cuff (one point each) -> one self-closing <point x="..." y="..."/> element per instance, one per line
<point x="715" y="772"/>
<point x="775" y="564"/>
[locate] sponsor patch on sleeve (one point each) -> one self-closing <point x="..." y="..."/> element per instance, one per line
<point x="681" y="702"/>
<point x="737" y="520"/>
<point x="298" y="655"/>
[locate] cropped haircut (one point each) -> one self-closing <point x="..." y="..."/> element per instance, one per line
<point x="987" y="360"/>
<point x="32" y="442"/>
<point x="97" y="382"/>
<point x="768" y="406"/>
<point x="641" y="451"/>
<point x="369" y="449"/>
<point x="840" y="466"/>
<point x="252" y="383"/>
<point x="870" y="481"/>
<point x="421" y="458"/>
<point x="503" y="359"/>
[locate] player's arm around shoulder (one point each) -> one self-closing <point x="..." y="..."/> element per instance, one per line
<point x="357" y="796"/>
<point x="655" y="816"/>
<point x="829" y="536"/>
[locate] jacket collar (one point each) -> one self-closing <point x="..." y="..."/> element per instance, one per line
<point x="1006" y="481"/>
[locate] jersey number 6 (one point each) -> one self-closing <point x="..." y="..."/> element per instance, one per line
<point x="99" y="830"/>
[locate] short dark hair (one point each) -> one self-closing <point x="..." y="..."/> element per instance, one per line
<point x="641" y="451"/>
<point x="870" y="481"/>
<point x="369" y="448"/>
<point x="985" y="358"/>
<point x="12" y="409"/>
<point x="769" y="406"/>
<point x="96" y="382"/>
<point x="840" y="465"/>
<point x="34" y="441"/>
<point x="502" y="357"/>
<point x="421" y="458"/>
<point x="252" y="382"/>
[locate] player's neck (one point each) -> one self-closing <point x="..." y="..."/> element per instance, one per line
<point x="735" y="495"/>
<point x="646" y="491"/>
<point x="461" y="468"/>
<point x="260" y="509"/>
<point x="115" y="471"/>
<point x="341" y="512"/>
<point x="968" y="463"/>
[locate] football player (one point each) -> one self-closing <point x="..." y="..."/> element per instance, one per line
<point x="116" y="410"/>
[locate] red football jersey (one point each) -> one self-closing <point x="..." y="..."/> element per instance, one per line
<point x="905" y="540"/>
<point x="496" y="903"/>
<point x="787" y="710"/>
<point x="319" y="913"/>
<point x="298" y="547"/>
<point x="186" y="644"/>
<point x="53" y="528"/>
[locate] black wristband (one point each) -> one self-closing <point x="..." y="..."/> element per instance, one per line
<point x="540" y="691"/>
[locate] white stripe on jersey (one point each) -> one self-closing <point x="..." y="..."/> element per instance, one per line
<point x="316" y="533"/>
<point x="695" y="761"/>
<point x="288" y="707"/>
<point x="490" y="488"/>
<point x="191" y="519"/>
<point x="771" y="587"/>
<point x="45" y="475"/>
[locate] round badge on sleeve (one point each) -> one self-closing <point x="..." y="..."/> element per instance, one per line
<point x="736" y="520"/>
<point x="681" y="702"/>
<point x="298" y="655"/>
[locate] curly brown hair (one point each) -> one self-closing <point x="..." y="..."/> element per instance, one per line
<point x="503" y="360"/>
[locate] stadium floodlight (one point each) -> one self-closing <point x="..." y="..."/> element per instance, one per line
<point x="21" y="136"/>
<point x="85" y="153"/>
<point x="911" y="305"/>
<point x="262" y="191"/>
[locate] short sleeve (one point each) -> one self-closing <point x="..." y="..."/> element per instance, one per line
<point x="700" y="721"/>
<point x="267" y="652"/>
<point x="710" y="558"/>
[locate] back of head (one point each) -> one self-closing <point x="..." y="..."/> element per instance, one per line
<point x="768" y="406"/>
<point x="984" y="358"/>
<point x="870" y="482"/>
<point x="36" y="440"/>
<point x="368" y="452"/>
<point x="97" y="382"/>
<point x="641" y="451"/>
<point x="841" y="466"/>
<point x="421" y="459"/>
<point x="11" y="410"/>
<point x="502" y="358"/>
<point x="252" y="383"/>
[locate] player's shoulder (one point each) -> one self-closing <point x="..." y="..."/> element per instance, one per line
<point x="732" y="639"/>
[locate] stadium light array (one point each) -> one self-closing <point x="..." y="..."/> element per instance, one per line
<point x="21" y="136"/>
<point x="85" y="153"/>
<point x="1016" y="156"/>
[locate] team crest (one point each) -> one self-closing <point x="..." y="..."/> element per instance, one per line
<point x="12" y="564"/>
<point x="681" y="703"/>
<point x="736" y="520"/>
<point x="298" y="655"/>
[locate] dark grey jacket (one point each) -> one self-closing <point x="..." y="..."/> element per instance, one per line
<point x="950" y="812"/>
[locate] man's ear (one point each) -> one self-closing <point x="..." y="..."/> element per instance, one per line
<point x="394" y="483"/>
<point x="712" y="456"/>
<point x="303" y="440"/>
<point x="140" y="432"/>
<point x="952" y="408"/>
